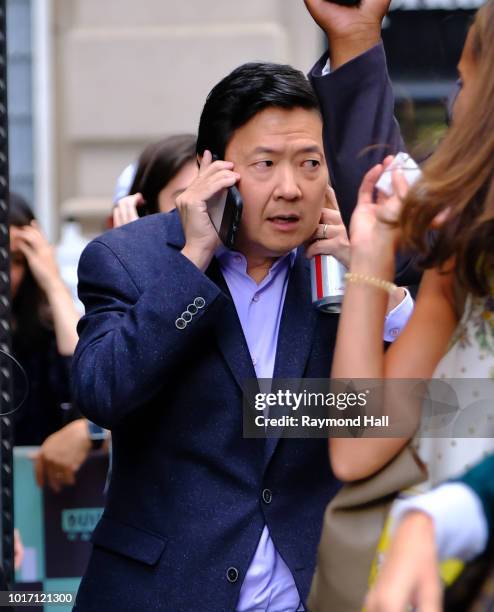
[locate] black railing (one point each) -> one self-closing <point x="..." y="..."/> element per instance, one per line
<point x="6" y="398"/>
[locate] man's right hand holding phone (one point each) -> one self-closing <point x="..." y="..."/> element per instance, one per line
<point x="201" y="238"/>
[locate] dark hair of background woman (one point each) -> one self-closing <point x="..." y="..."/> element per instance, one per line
<point x="30" y="312"/>
<point x="159" y="163"/>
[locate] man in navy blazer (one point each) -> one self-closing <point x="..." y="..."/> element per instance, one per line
<point x="197" y="516"/>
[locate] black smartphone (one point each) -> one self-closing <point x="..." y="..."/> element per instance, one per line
<point x="225" y="212"/>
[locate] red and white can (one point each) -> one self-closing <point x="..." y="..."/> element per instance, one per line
<point x="327" y="276"/>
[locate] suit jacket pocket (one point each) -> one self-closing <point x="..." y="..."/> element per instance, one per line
<point x="129" y="541"/>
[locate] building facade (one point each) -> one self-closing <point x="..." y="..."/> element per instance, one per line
<point x="109" y="76"/>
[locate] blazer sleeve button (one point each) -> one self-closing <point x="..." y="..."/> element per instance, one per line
<point x="192" y="309"/>
<point x="199" y="302"/>
<point x="267" y="496"/>
<point x="180" y="323"/>
<point x="232" y="574"/>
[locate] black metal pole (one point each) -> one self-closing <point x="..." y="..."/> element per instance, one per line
<point x="6" y="399"/>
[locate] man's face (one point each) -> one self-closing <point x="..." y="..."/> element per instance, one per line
<point x="280" y="158"/>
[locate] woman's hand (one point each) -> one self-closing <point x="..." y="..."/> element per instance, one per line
<point x="330" y="237"/>
<point x="62" y="454"/>
<point x="18" y="550"/>
<point x="410" y="574"/>
<point x="371" y="231"/>
<point x="125" y="210"/>
<point x="40" y="257"/>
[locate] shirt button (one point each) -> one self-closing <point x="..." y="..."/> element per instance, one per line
<point x="256" y="297"/>
<point x="267" y="496"/>
<point x="232" y="574"/>
<point x="238" y="259"/>
<point x="254" y="361"/>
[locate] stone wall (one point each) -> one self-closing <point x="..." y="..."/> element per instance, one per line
<point x="131" y="72"/>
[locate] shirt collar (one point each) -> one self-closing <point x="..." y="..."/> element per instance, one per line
<point x="227" y="258"/>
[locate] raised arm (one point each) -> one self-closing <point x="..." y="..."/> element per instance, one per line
<point x="357" y="103"/>
<point x="359" y="349"/>
<point x="355" y="96"/>
<point x="351" y="31"/>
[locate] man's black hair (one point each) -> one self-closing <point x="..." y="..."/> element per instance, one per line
<point x="246" y="91"/>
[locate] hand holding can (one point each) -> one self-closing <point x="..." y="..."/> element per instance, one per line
<point x="330" y="256"/>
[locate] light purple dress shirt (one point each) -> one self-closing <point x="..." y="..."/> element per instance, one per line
<point x="268" y="584"/>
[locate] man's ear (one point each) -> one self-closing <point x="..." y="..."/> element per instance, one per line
<point x="199" y="160"/>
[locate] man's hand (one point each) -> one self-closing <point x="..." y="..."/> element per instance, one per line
<point x="62" y="454"/>
<point x="350" y="30"/>
<point x="410" y="573"/>
<point x="201" y="239"/>
<point x="330" y="237"/>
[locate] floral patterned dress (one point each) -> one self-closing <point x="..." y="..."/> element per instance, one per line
<point x="464" y="433"/>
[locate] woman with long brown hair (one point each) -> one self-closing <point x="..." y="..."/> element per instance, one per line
<point x="448" y="217"/>
<point x="44" y="321"/>
<point x="164" y="169"/>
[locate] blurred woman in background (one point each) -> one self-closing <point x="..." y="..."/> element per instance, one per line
<point x="164" y="169"/>
<point x="44" y="321"/>
<point x="44" y="336"/>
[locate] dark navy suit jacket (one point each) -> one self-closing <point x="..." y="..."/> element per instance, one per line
<point x="189" y="496"/>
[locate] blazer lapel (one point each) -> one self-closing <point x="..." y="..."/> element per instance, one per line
<point x="229" y="334"/>
<point x="296" y="334"/>
<point x="174" y="232"/>
<point x="228" y="330"/>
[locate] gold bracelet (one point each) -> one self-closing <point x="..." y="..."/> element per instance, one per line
<point x="354" y="277"/>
